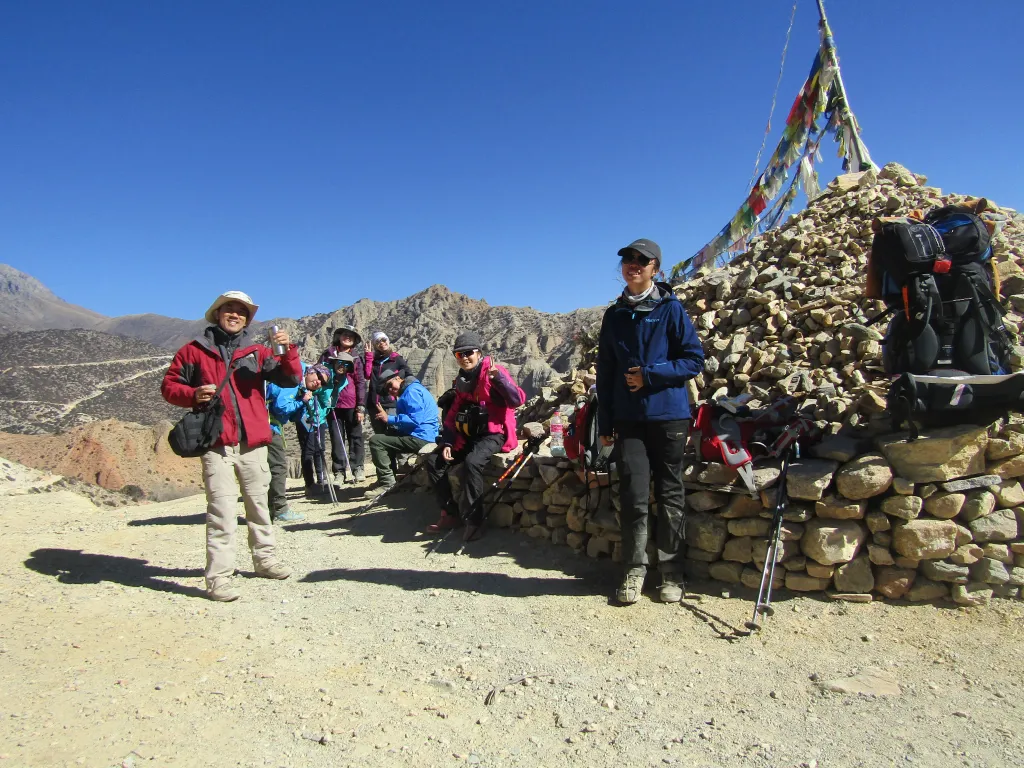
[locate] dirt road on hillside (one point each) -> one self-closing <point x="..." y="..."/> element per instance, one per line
<point x="373" y="655"/>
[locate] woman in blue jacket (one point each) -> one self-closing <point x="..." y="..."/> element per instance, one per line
<point x="647" y="352"/>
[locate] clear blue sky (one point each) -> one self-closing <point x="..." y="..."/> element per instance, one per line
<point x="156" y="153"/>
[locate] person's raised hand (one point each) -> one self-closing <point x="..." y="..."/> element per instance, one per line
<point x="204" y="394"/>
<point x="607" y="440"/>
<point x="307" y="396"/>
<point x="446" y="453"/>
<point x="281" y="337"/>
<point x="634" y="379"/>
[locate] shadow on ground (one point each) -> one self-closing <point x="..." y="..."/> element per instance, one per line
<point x="73" y="566"/>
<point x="171" y="520"/>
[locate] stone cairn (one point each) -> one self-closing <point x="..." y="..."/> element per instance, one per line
<point x="871" y="513"/>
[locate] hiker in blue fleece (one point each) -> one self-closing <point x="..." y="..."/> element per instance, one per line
<point x="412" y="425"/>
<point x="648" y="350"/>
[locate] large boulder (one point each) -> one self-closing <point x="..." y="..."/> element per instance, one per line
<point x="938" y="454"/>
<point x="832" y="541"/>
<point x="808" y="478"/>
<point x="924" y="539"/>
<point x="866" y="476"/>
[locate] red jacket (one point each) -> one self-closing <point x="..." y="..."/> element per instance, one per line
<point x="200" y="362"/>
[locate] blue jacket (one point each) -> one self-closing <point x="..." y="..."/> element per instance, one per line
<point x="657" y="337"/>
<point x="415" y="412"/>
<point x="285" y="403"/>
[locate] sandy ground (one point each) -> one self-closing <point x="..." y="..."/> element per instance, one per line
<point x="374" y="655"/>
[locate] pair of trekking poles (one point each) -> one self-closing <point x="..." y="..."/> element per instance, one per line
<point x="502" y="484"/>
<point x="320" y="451"/>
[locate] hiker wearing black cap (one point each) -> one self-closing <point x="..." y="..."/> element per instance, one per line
<point x="648" y="350"/>
<point x="346" y="419"/>
<point x="480" y="423"/>
<point x="413" y="424"/>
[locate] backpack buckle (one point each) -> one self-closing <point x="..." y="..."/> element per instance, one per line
<point x="942" y="266"/>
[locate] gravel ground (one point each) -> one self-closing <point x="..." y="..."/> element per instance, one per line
<point x="374" y="655"/>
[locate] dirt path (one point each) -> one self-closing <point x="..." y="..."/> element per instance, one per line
<point x="373" y="655"/>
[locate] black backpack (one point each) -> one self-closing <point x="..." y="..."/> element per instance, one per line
<point x="935" y="276"/>
<point x="946" y="345"/>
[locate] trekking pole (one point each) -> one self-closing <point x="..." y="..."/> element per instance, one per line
<point x="341" y="440"/>
<point x="763" y="606"/>
<point x="321" y="453"/>
<point x="389" y="491"/>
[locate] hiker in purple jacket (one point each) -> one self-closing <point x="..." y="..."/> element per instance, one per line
<point x="346" y="421"/>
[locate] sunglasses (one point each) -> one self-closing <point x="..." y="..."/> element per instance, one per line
<point x="636" y="258"/>
<point x="464" y="355"/>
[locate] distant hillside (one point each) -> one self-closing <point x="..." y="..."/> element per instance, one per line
<point x="56" y="379"/>
<point x="26" y="304"/>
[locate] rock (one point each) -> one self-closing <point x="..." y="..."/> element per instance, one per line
<point x="924" y="539"/>
<point x="840" y="508"/>
<point x="533" y="502"/>
<point x="808" y="478"/>
<point x="903" y="507"/>
<point x="926" y="589"/>
<point x="1011" y="444"/>
<point x="727" y="572"/>
<point x="1017" y="576"/>
<point x="836" y="448"/>
<point x="786" y="550"/>
<point x="819" y="571"/>
<point x="973" y="593"/>
<point x="945" y="506"/>
<point x="832" y="541"/>
<point x="879" y="555"/>
<point x="849" y="597"/>
<point x="902" y="486"/>
<point x="940" y="570"/>
<point x="749" y="526"/>
<point x="693" y="553"/>
<point x="597" y="546"/>
<point x="870" y="682"/>
<point x="989" y="571"/>
<point x="751" y="577"/>
<point x="1010" y="494"/>
<point x="970" y="483"/>
<point x="864" y="477"/>
<point x="540" y="532"/>
<point x="548" y="473"/>
<point x="978" y="504"/>
<point x="706" y="532"/>
<point x="945" y="453"/>
<point x="533" y="429"/>
<point x="704" y="501"/>
<point x="877" y="521"/>
<point x="1008" y="468"/>
<point x="1001" y="525"/>
<point x="716" y="473"/>
<point x="966" y="554"/>
<point x="502" y="516"/>
<point x="802" y="582"/>
<point x="738" y="550"/>
<point x="855" y="576"/>
<point x="742" y="506"/>
<point x="1000" y="552"/>
<point x="576" y="540"/>
<point x="963" y="535"/>
<point x="893" y="582"/>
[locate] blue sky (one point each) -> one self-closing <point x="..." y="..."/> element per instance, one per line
<point x="316" y="153"/>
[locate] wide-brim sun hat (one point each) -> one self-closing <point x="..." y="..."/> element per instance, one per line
<point x="224" y="298"/>
<point x="351" y="329"/>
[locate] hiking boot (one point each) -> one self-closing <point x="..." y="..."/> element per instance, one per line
<point x="446" y="523"/>
<point x="672" y="587"/>
<point x="222" y="592"/>
<point x="340" y="478"/>
<point x="378" y="490"/>
<point x="273" y="570"/>
<point x="632" y="583"/>
<point x="313" y="492"/>
<point x="289" y="516"/>
<point x="358" y="475"/>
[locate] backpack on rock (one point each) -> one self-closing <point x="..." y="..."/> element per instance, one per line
<point x="934" y="273"/>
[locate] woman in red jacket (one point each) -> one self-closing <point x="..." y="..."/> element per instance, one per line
<point x="241" y="450"/>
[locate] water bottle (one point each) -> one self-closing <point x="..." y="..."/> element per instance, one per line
<point x="279" y="349"/>
<point x="557" y="445"/>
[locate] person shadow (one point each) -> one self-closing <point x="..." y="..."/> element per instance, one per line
<point x="74" y="566"/>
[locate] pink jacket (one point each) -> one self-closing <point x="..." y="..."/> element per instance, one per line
<point x="501" y="413"/>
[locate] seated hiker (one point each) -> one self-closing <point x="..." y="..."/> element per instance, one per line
<point x="308" y="405"/>
<point x="414" y="425"/>
<point x="346" y="420"/>
<point x="480" y="423"/>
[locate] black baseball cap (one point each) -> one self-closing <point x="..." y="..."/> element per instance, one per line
<point x="644" y="247"/>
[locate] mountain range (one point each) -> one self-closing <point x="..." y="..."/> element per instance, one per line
<point x="52" y="379"/>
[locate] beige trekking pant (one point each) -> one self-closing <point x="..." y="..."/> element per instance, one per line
<point x="220" y="468"/>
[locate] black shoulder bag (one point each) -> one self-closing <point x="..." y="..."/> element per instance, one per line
<point x="199" y="429"/>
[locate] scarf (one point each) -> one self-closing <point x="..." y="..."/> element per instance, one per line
<point x="466" y="380"/>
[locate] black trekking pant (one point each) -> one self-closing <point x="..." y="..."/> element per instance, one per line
<point x="649" y="448"/>
<point x="474" y="455"/>
<point x="278" y="461"/>
<point x="346" y="427"/>
<point x="311" y="443"/>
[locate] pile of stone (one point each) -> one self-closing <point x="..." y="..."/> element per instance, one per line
<point x="789" y="317"/>
<point x="871" y="514"/>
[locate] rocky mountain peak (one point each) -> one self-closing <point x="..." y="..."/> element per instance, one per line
<point x="16" y="283"/>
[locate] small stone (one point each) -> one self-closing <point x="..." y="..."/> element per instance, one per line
<point x="1001" y="525"/>
<point x="924" y="590"/>
<point x="855" y="576"/>
<point x="979" y="503"/>
<point x="902" y="486"/>
<point x="973" y="593"/>
<point x="970" y="483"/>
<point x="802" y="582"/>
<point x="808" y="478"/>
<point x="832" y="541"/>
<point x="840" y="508"/>
<point x="903" y="507"/>
<point x="864" y="477"/>
<point x="870" y="682"/>
<point x="990" y="571"/>
<point x="945" y="506"/>
<point x="966" y="554"/>
<point x="940" y="570"/>
<point x="893" y="582"/>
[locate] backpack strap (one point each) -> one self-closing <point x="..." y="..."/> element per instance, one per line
<point x="224" y="381"/>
